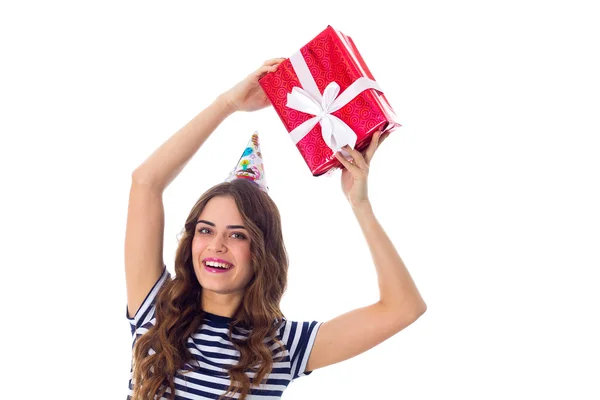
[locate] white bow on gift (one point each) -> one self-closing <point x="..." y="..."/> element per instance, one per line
<point x="308" y="99"/>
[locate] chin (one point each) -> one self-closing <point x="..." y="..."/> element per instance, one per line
<point x="221" y="289"/>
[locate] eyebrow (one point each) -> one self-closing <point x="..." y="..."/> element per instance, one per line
<point x="228" y="226"/>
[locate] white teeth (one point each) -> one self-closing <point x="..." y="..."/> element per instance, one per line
<point x="217" y="264"/>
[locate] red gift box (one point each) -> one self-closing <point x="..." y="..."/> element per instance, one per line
<point x="318" y="120"/>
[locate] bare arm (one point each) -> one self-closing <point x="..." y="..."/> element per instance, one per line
<point x="400" y="303"/>
<point x="161" y="168"/>
<point x="145" y="217"/>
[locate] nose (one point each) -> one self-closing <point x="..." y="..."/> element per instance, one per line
<point x="217" y="245"/>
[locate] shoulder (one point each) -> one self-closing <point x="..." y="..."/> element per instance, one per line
<point x="294" y="333"/>
<point x="145" y="314"/>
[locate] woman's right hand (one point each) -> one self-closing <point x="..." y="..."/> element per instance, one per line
<point x="247" y="95"/>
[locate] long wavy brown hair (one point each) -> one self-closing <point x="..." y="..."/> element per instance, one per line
<point x="178" y="302"/>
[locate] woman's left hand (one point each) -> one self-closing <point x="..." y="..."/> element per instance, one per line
<point x="356" y="171"/>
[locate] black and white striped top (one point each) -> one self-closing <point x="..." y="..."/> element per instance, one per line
<point x="212" y="351"/>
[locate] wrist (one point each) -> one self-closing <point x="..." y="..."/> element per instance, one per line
<point x="225" y="104"/>
<point x="362" y="207"/>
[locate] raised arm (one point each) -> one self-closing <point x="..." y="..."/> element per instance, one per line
<point x="400" y="303"/>
<point x="145" y="216"/>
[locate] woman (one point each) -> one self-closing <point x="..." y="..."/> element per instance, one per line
<point x="216" y="329"/>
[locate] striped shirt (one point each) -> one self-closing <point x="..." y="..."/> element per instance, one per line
<point x="213" y="352"/>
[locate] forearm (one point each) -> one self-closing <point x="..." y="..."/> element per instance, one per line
<point x="396" y="287"/>
<point x="163" y="166"/>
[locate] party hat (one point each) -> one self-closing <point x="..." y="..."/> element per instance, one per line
<point x="250" y="165"/>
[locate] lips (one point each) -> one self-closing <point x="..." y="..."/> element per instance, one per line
<point x="217" y="260"/>
<point x="217" y="265"/>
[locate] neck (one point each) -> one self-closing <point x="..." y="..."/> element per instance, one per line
<point x="223" y="304"/>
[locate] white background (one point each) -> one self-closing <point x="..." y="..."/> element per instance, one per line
<point x="489" y="190"/>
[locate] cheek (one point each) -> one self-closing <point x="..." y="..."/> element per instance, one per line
<point x="244" y="253"/>
<point x="198" y="246"/>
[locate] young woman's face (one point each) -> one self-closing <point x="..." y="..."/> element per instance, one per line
<point x="221" y="248"/>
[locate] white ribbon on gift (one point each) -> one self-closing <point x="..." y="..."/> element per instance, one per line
<point x="308" y="99"/>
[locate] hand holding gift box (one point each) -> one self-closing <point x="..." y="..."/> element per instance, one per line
<point x="327" y="98"/>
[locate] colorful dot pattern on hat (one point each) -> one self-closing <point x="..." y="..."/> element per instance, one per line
<point x="250" y="165"/>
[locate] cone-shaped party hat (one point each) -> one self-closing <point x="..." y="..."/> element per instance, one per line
<point x="250" y="165"/>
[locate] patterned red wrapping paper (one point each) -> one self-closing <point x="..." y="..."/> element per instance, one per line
<point x="330" y="56"/>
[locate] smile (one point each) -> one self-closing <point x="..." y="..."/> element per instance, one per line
<point x="217" y="265"/>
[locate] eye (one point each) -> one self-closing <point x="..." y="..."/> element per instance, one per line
<point x="203" y="230"/>
<point x="238" y="235"/>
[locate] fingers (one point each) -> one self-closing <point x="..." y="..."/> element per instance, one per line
<point x="348" y="164"/>
<point x="268" y="66"/>
<point x="264" y="70"/>
<point x="359" y="160"/>
<point x="362" y="159"/>
<point x="383" y="137"/>
<point x="375" y="140"/>
<point x="273" y="61"/>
